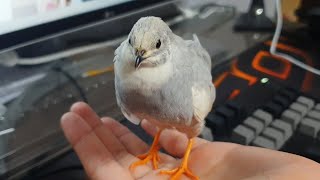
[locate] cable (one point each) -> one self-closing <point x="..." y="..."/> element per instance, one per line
<point x="73" y="81"/>
<point x="275" y="40"/>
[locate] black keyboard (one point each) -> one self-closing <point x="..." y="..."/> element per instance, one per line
<point x="267" y="102"/>
<point x="289" y="122"/>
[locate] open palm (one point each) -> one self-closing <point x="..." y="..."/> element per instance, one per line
<point x="106" y="149"/>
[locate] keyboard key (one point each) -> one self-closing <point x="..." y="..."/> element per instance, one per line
<point x="283" y="126"/>
<point x="254" y="124"/>
<point x="242" y="135"/>
<point x="206" y="134"/>
<point x="239" y="111"/>
<point x="261" y="141"/>
<point x="229" y="115"/>
<point x="263" y="116"/>
<point x="291" y="117"/>
<point x="306" y="101"/>
<point x="290" y="94"/>
<point x="314" y="115"/>
<point x="300" y="108"/>
<point x="309" y="127"/>
<point x="234" y="106"/>
<point x="284" y="102"/>
<point x="273" y="108"/>
<point x="217" y="124"/>
<point x="276" y="135"/>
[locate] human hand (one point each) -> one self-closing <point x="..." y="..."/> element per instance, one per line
<point x="107" y="149"/>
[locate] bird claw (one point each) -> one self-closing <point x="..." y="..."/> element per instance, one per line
<point x="183" y="169"/>
<point x="177" y="172"/>
<point x="152" y="155"/>
<point x="145" y="158"/>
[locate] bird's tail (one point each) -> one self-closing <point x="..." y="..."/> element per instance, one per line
<point x="196" y="39"/>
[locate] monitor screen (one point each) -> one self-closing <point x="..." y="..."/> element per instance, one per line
<point x="20" y="14"/>
<point x="26" y="22"/>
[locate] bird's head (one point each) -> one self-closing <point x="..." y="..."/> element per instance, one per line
<point x="149" y="42"/>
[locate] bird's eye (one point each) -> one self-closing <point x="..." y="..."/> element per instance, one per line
<point x="130" y="41"/>
<point x="158" y="44"/>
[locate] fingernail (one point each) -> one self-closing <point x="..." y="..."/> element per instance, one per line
<point x="106" y="119"/>
<point x="77" y="105"/>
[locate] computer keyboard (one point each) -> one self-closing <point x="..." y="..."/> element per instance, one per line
<point x="264" y="129"/>
<point x="267" y="102"/>
<point x="285" y="121"/>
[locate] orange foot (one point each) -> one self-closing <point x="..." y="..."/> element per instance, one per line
<point x="152" y="155"/>
<point x="177" y="172"/>
<point x="183" y="169"/>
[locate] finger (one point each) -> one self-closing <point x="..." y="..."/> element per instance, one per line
<point x="152" y="130"/>
<point x="96" y="159"/>
<point x="149" y="128"/>
<point x="86" y="112"/>
<point x="119" y="151"/>
<point x="172" y="141"/>
<point x="132" y="143"/>
<point x="106" y="136"/>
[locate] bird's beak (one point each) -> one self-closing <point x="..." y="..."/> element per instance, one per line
<point x="139" y="59"/>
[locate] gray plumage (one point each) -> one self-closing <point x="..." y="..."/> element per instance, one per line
<point x="172" y="87"/>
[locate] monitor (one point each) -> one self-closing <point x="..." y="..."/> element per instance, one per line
<point x="22" y="22"/>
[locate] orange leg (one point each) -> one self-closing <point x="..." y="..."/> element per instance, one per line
<point x="152" y="155"/>
<point x="183" y="169"/>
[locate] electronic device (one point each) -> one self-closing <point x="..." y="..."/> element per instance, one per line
<point x="309" y="14"/>
<point x="255" y="19"/>
<point x="46" y="21"/>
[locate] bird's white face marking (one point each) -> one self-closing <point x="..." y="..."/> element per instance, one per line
<point x="144" y="77"/>
<point x="145" y="55"/>
<point x="154" y="76"/>
<point x="149" y="42"/>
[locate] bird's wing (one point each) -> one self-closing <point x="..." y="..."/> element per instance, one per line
<point x="117" y="51"/>
<point x="203" y="90"/>
<point x="201" y="52"/>
<point x="131" y="117"/>
<point x="196" y="39"/>
<point x="203" y="96"/>
<point x="194" y="62"/>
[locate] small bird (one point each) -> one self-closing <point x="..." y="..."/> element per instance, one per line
<point x="166" y="80"/>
